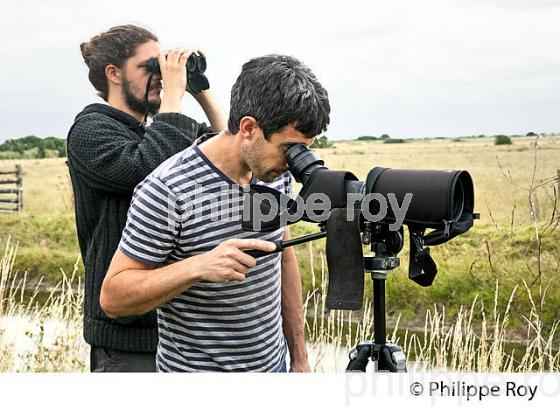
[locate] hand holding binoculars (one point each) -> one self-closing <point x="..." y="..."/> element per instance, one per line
<point x="196" y="66"/>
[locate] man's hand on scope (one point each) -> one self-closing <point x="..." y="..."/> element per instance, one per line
<point x="227" y="261"/>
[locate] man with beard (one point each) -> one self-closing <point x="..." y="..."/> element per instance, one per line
<point x="111" y="150"/>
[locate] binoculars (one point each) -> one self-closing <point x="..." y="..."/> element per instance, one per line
<point x="196" y="66"/>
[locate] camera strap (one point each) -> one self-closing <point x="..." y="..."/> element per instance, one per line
<point x="265" y="209"/>
<point x="146" y="96"/>
<point x="345" y="260"/>
<point x="422" y="268"/>
<point x="451" y="229"/>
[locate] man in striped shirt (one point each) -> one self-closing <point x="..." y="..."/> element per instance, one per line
<point x="181" y="252"/>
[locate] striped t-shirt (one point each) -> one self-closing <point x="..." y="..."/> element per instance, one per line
<point x="185" y="207"/>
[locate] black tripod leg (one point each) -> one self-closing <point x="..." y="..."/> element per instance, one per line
<point x="359" y="358"/>
<point x="391" y="358"/>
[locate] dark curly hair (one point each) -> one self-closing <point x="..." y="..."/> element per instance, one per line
<point x="113" y="46"/>
<point x="279" y="90"/>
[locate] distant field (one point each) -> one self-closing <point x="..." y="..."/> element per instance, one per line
<point x="494" y="250"/>
<point x="478" y="155"/>
<point x="46" y="184"/>
<point x="48" y="191"/>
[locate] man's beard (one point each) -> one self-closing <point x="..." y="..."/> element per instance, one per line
<point x="136" y="104"/>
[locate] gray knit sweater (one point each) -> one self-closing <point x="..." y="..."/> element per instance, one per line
<point x="109" y="153"/>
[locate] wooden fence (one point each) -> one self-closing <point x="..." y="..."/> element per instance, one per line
<point x="11" y="198"/>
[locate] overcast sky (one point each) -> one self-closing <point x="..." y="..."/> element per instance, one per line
<point x="407" y="68"/>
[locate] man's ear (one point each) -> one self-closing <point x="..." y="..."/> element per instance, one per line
<point x="113" y="74"/>
<point x="247" y="127"/>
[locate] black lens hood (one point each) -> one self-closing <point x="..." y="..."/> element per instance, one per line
<point x="438" y="197"/>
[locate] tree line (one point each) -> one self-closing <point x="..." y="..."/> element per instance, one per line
<point x="32" y="146"/>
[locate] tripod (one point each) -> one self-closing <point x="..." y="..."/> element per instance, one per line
<point x="385" y="245"/>
<point x="388" y="357"/>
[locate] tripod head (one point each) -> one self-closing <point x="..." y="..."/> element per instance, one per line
<point x="385" y="245"/>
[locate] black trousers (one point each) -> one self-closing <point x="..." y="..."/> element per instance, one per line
<point x="107" y="360"/>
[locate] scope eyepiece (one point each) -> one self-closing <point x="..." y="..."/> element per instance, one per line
<point x="302" y="162"/>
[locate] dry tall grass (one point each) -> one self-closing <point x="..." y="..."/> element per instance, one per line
<point x="443" y="344"/>
<point x="40" y="337"/>
<point x="47" y="337"/>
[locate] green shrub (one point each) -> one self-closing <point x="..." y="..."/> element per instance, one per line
<point x="33" y="147"/>
<point x="394" y="141"/>
<point x="502" y="140"/>
<point x="10" y="155"/>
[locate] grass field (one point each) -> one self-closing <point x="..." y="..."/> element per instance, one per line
<point x="511" y="243"/>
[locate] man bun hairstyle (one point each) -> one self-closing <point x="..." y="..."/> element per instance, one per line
<point x="113" y="46"/>
<point x="279" y="90"/>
